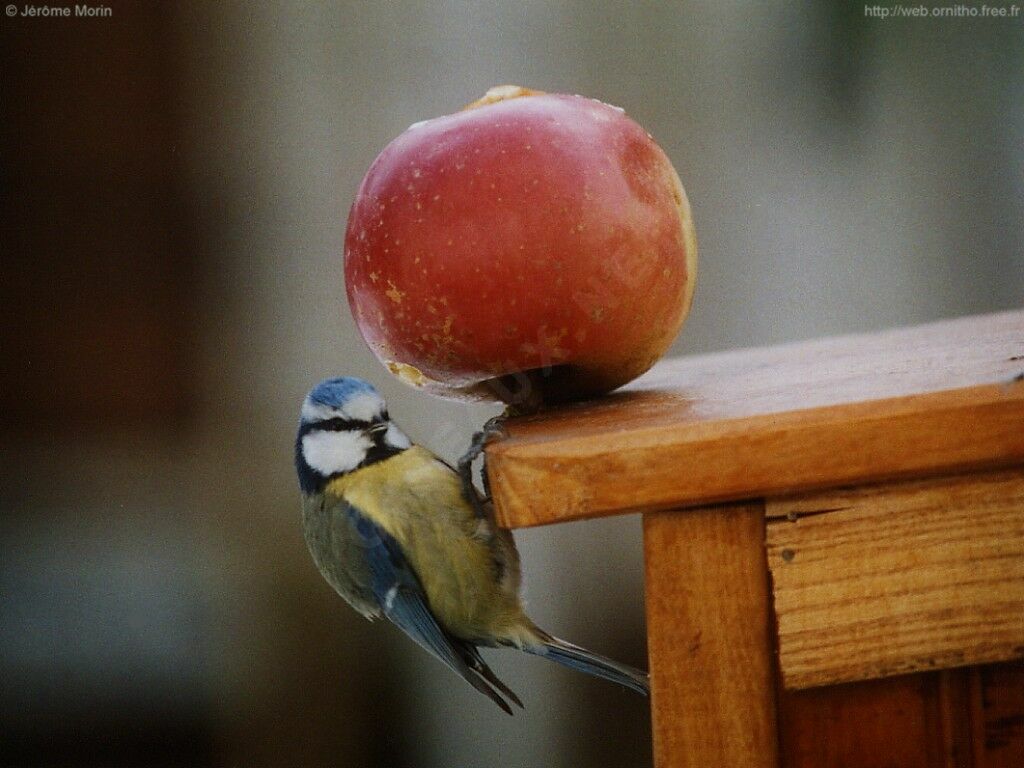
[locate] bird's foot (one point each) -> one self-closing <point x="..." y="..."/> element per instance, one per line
<point x="493" y="427"/>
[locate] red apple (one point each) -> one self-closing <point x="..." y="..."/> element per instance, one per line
<point x="533" y="247"/>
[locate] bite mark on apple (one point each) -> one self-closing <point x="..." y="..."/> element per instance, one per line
<point x="410" y="374"/>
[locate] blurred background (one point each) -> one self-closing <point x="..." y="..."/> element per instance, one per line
<point x="175" y="183"/>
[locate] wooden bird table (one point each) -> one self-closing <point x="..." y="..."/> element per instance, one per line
<point x="833" y="542"/>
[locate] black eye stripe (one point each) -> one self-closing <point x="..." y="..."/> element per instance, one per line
<point x="339" y="425"/>
<point x="336" y="424"/>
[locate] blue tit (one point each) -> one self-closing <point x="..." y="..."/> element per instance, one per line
<point x="391" y="529"/>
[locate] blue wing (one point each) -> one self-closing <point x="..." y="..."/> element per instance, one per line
<point x="402" y="599"/>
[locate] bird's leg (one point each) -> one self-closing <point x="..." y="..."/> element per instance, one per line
<point x="494" y="427"/>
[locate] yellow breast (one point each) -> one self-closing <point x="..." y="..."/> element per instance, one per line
<point x="418" y="500"/>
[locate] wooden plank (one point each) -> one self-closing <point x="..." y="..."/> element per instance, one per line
<point x="971" y="717"/>
<point x="710" y="646"/>
<point x="953" y="705"/>
<point x="998" y="716"/>
<point x="912" y="721"/>
<point x="892" y="579"/>
<point x="935" y="399"/>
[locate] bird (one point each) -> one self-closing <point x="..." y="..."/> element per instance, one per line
<point x="392" y="529"/>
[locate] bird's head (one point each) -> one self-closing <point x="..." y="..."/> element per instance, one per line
<point x="344" y="425"/>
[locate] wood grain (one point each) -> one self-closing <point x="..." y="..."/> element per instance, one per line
<point x="912" y="721"/>
<point x="708" y="614"/>
<point x="971" y="717"/>
<point x="998" y="716"/>
<point x="892" y="579"/>
<point x="934" y="399"/>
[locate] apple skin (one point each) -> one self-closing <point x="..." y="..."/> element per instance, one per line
<point x="533" y="248"/>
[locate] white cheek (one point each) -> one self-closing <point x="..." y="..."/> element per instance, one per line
<point x="364" y="407"/>
<point x="396" y="438"/>
<point x="313" y="412"/>
<point x="332" y="452"/>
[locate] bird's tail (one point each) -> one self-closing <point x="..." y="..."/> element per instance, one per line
<point x="582" y="660"/>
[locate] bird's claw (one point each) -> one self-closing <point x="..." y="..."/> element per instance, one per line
<point x="493" y="427"/>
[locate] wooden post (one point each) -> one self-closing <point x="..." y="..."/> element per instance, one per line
<point x="709" y="640"/>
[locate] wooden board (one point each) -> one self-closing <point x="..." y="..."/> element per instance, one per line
<point x="709" y="639"/>
<point x="972" y="717"/>
<point x="893" y="579"/>
<point x="934" y="399"/>
<point x="913" y="721"/>
<point x="997" y="717"/>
